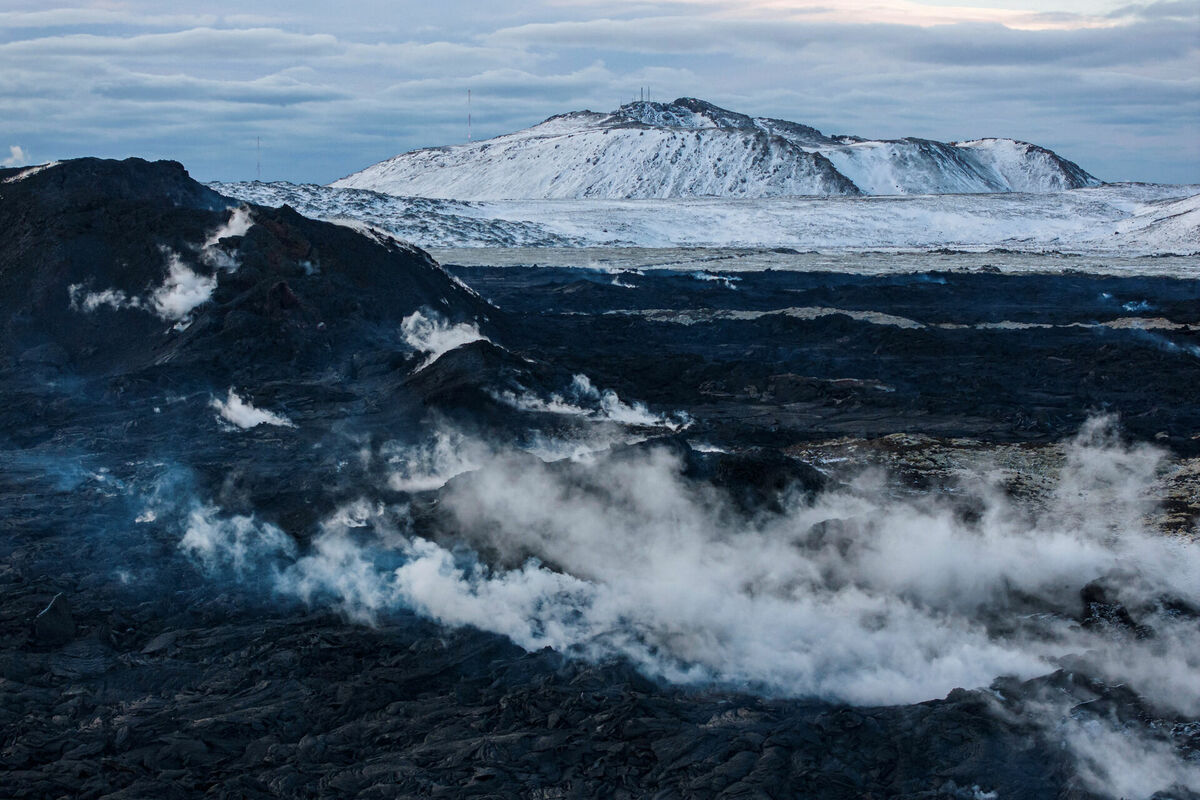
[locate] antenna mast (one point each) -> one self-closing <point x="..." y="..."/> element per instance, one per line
<point x="468" y="116"/>
<point x="258" y="163"/>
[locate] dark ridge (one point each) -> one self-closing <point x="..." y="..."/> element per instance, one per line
<point x="292" y="293"/>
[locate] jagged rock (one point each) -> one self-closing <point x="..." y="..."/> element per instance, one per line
<point x="1101" y="611"/>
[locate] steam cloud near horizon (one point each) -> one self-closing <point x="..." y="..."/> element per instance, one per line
<point x="17" y="157"/>
<point x="856" y="596"/>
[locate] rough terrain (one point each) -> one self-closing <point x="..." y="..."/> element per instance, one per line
<point x="229" y="435"/>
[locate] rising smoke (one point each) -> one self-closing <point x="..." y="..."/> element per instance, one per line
<point x="241" y="413"/>
<point x="855" y="596"/>
<point x="584" y="399"/>
<point x="431" y="334"/>
<point x="183" y="289"/>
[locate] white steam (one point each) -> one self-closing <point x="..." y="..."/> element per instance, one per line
<point x="240" y="221"/>
<point x="111" y="298"/>
<point x="855" y="596"/>
<point x="448" y="453"/>
<point x="243" y="414"/>
<point x="17" y="157"/>
<point x="182" y="291"/>
<point x="583" y="399"/>
<point x="239" y="543"/>
<point x="728" y="281"/>
<point x="1119" y="761"/>
<point x="429" y="333"/>
<point x="431" y="464"/>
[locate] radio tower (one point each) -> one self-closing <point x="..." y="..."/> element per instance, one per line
<point x="468" y="116"/>
<point x="258" y="161"/>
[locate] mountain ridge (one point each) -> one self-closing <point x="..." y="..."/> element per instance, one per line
<point x="692" y="148"/>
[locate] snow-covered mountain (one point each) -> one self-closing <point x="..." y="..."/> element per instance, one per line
<point x="690" y="148"/>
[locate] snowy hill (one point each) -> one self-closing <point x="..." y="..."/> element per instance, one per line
<point x="1167" y="226"/>
<point x="690" y="148"/>
<point x="1127" y="219"/>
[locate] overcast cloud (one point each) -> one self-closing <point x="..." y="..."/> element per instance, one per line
<point x="332" y="88"/>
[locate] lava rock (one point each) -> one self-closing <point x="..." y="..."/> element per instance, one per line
<point x="54" y="625"/>
<point x="1100" y="610"/>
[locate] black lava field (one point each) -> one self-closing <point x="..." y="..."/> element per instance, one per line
<point x="288" y="509"/>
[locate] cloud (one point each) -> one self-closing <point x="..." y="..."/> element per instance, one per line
<point x="508" y="83"/>
<point x="891" y="12"/>
<point x="1166" y="9"/>
<point x="961" y="43"/>
<point x="90" y="17"/>
<point x="17" y="157"/>
<point x="270" y="90"/>
<point x="239" y="45"/>
<point x="330" y="93"/>
<point x="439" y="58"/>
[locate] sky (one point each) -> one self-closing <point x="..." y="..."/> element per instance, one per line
<point x="331" y="88"/>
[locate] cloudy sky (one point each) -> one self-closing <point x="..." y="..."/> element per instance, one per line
<point x="330" y="88"/>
